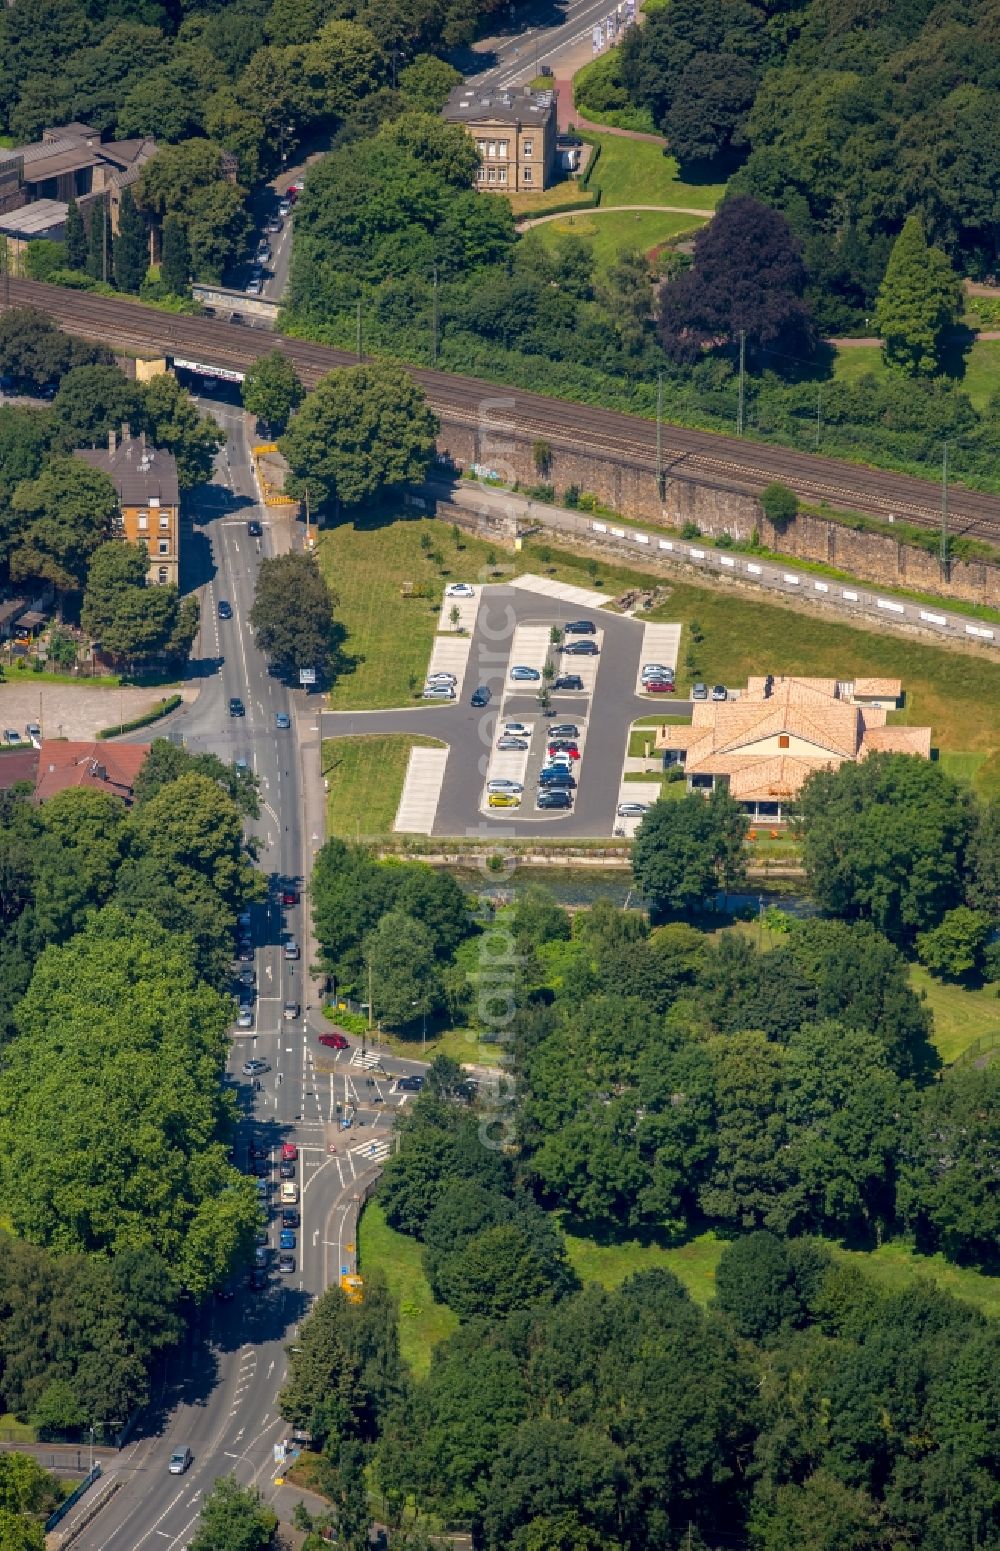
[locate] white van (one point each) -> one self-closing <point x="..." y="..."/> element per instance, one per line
<point x="289" y="1193"/>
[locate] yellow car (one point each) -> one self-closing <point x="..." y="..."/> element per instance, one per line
<point x="504" y="800"/>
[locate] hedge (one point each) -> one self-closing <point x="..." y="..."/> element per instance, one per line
<point x="163" y="709"/>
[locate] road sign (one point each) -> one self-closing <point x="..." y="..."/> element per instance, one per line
<point x="307" y="676"/>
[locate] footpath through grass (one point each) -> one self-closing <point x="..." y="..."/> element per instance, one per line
<point x="422" y="1321"/>
<point x="364" y="778"/>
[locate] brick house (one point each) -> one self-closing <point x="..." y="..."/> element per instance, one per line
<point x="102" y="767"/>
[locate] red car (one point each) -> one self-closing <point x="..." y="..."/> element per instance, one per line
<point x="289" y="1152"/>
<point x="289" y="896"/>
<point x="658" y="687"/>
<point x="565" y="748"/>
<point x="334" y="1041"/>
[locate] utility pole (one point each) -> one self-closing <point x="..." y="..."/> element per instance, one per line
<point x="434" y="341"/>
<point x="944" y="514"/>
<point x="743" y="363"/>
<point x="104" y="239"/>
<point x="660" y="476"/>
<point x="359" y="329"/>
<point x="5" y="257"/>
<point x="819" y="412"/>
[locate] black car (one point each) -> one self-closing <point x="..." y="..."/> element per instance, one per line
<point x="290" y="1217"/>
<point x="225" y="609"/>
<point x="236" y="707"/>
<point x="581" y="649"/>
<point x="554" y="797"/>
<point x="261" y="1167"/>
<point x="580" y="627"/>
<point x="564" y="730"/>
<point x="481" y="696"/>
<point x="286" y="1169"/>
<point x="568" y="681"/>
<point x="254" y="529"/>
<point x="258" y="1279"/>
<point x="556" y="777"/>
<point x="410" y="1084"/>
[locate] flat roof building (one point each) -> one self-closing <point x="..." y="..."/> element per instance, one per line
<point x="515" y="135"/>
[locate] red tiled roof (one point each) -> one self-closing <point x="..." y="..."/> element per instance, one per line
<point x="106" y="767"/>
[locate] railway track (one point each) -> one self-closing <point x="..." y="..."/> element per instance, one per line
<point x="701" y="457"/>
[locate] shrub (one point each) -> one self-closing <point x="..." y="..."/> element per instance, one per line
<point x="164" y="708"/>
<point x="779" y="505"/>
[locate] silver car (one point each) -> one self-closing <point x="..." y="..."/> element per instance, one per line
<point x="180" y="1459"/>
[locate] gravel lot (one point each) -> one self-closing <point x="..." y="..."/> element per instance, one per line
<point x="76" y="711"/>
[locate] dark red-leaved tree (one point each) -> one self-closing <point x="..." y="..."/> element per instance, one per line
<point x="747" y="275"/>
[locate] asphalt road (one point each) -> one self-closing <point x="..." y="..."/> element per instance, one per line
<point x="220" y="1395"/>
<point x="559" y="31"/>
<point x="470" y="733"/>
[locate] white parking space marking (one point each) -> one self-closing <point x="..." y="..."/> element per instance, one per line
<point x="468" y="609"/>
<point x="421" y="791"/>
<point x="582" y="597"/>
<point x="636" y="791"/>
<point x="660" y="643"/>
<point x="510" y="764"/>
<point x="450" y="655"/>
<point x="529" y="649"/>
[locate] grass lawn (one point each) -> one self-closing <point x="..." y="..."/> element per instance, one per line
<point x="13" y="1431"/>
<point x="958" y="695"/>
<point x="462" y="1045"/>
<point x="893" y="1266"/>
<point x="978" y="372"/>
<point x="422" y="1321"/>
<point x="960" y="1015"/>
<point x="610" y="231"/>
<point x="365" y="779"/>
<point x="643" y="731"/>
<point x="635" y="172"/>
<point x="566" y="192"/>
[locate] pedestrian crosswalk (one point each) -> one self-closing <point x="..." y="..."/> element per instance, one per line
<point x="375" y="1150"/>
<point x="367" y="1061"/>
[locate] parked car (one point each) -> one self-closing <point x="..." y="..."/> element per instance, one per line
<point x="699" y="692"/>
<point x="556" y="777"/>
<point x="289" y="1150"/>
<point x="568" y="681"/>
<point x="289" y="1193"/>
<point x="656" y="670"/>
<point x="286" y="1264"/>
<point x="180" y="1459"/>
<point x="334" y="1041"/>
<point x="581" y="649"/>
<point x="521" y="674"/>
<point x="263" y="251"/>
<point x="261" y="1256"/>
<point x="11" y="735"/>
<point x="257" y="1280"/>
<point x="564" y="730"/>
<point x="481" y="696"/>
<point x="285" y="206"/>
<point x="516" y="729"/>
<point x="275" y="224"/>
<point x="286" y="1169"/>
<point x="290" y="1217"/>
<point x="438" y="692"/>
<point x="632" y="810"/>
<point x="33" y="730"/>
<point x="512" y="745"/>
<point x="504" y="800"/>
<point x="659" y="686"/>
<point x="225" y="609"/>
<point x="719" y="692"/>
<point x="554" y="797"/>
<point x="563" y="746"/>
<point x="503" y="784"/>
<point x="460" y="590"/>
<point x="236" y="706"/>
<point x="286" y="1239"/>
<point x="557" y="761"/>
<point x="580" y="627"/>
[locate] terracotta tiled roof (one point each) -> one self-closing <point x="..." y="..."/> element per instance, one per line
<point x="780" y="777"/>
<point x="798" y="691"/>
<point x="106" y="767"/>
<point x="897" y="740"/>
<point x="885" y="689"/>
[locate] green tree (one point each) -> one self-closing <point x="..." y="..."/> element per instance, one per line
<point x="18" y="1533"/>
<point x="822" y="1513"/>
<point x="779" y="504"/>
<point x="445" y="149"/>
<point x="233" y="1518"/>
<point x="131" y="249"/>
<point x="885" y="840"/>
<point x="342" y="64"/>
<point x="185" y="181"/>
<point x="954" y="948"/>
<point x="75" y="238"/>
<point x="947" y="1185"/>
<point x="93" y="400"/>
<point x="167" y="761"/>
<point x="175" y="262"/>
<point x="130" y="619"/>
<point x="350" y="894"/>
<point x="176" y="425"/>
<point x="35" y="353"/>
<point x="400" y="952"/>
<point x="425" y="84"/>
<point x="99" y="242"/>
<point x="344" y="1369"/>
<point x="192" y="825"/>
<point x="292" y="613"/>
<point x="272" y="390"/>
<point x="686" y="851"/>
<point x="25" y="1487"/>
<point x="919" y="300"/>
<point x="58" y="521"/>
<point x="363" y="430"/>
<point x="25" y="438"/>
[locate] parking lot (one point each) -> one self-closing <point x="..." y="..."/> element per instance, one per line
<point x="512" y="630"/>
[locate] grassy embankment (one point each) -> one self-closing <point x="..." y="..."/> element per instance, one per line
<point x="364" y="778"/>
